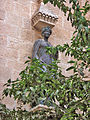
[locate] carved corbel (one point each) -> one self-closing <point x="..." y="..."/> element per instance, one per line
<point x="43" y="17"/>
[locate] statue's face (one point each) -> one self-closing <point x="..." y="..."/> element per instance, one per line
<point x="47" y="34"/>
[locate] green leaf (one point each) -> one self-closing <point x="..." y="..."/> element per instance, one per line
<point x="18" y="92"/>
<point x="87" y="29"/>
<point x="71" y="61"/>
<point x="70" y="1"/>
<point x="74" y="32"/>
<point x="73" y="6"/>
<point x="9" y="81"/>
<point x="58" y="4"/>
<point x="70" y="68"/>
<point x="55" y="2"/>
<point x="32" y="89"/>
<point x="6" y="92"/>
<point x="29" y="57"/>
<point x="88" y="49"/>
<point x="45" y="1"/>
<point x="80" y="27"/>
<point x="27" y="61"/>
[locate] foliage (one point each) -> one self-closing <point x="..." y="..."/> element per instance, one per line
<point x="44" y="84"/>
<point x="51" y="88"/>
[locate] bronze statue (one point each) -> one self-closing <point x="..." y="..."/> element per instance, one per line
<point x="40" y="52"/>
<point x="39" y="48"/>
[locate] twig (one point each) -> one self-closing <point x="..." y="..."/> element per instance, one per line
<point x="40" y="107"/>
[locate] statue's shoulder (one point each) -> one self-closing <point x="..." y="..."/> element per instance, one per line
<point x="39" y="40"/>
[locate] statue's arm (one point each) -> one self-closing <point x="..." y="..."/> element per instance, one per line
<point x="35" y="49"/>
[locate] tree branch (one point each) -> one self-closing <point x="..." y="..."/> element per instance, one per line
<point x="40" y="107"/>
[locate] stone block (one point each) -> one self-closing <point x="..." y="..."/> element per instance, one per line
<point x="64" y="58"/>
<point x="3" y="62"/>
<point x="64" y="67"/>
<point x="9" y="6"/>
<point x="5" y="73"/>
<point x="67" y="24"/>
<point x="23" y="2"/>
<point x="15" y="74"/>
<point x="61" y="35"/>
<point x="1" y="89"/>
<point x="8" y="53"/>
<point x="55" y="9"/>
<point x="59" y="23"/>
<point x="2" y="14"/>
<point x="13" y="19"/>
<point x="26" y="35"/>
<point x="21" y="10"/>
<point x="2" y="3"/>
<point x="9" y="102"/>
<point x="11" y="53"/>
<point x="15" y="65"/>
<point x="26" y="23"/>
<point x="34" y="7"/>
<point x="7" y="29"/>
<point x="3" y="40"/>
<point x="2" y="52"/>
<point x="13" y="43"/>
<point x="24" y="52"/>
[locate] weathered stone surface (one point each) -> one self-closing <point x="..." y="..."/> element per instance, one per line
<point x="2" y="14"/>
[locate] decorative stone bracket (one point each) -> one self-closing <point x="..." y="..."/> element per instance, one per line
<point x="43" y="17"/>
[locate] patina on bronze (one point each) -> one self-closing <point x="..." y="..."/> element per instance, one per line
<point x="39" y="48"/>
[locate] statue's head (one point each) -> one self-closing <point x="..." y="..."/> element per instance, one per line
<point x="46" y="31"/>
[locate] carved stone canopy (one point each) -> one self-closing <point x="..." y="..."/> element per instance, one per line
<point x="43" y="17"/>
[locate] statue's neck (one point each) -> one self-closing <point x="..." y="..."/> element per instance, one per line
<point x="46" y="39"/>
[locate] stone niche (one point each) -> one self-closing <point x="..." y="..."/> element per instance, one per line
<point x="43" y="17"/>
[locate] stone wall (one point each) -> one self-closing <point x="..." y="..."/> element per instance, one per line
<point x="17" y="37"/>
